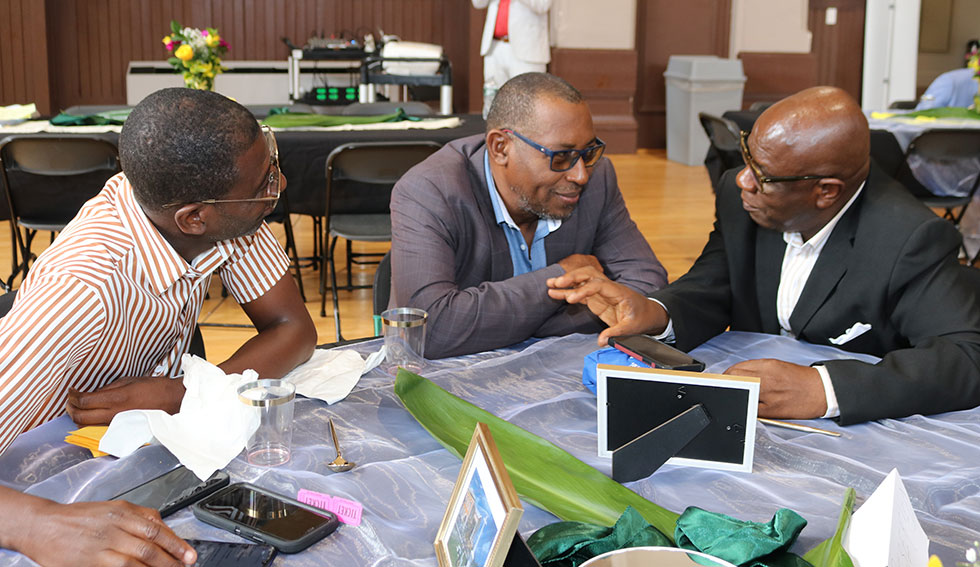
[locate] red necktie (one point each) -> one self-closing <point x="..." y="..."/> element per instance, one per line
<point x="500" y="28"/>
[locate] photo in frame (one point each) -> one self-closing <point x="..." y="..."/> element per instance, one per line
<point x="483" y="512"/>
<point x="632" y="401"/>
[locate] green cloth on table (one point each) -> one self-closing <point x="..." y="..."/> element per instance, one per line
<point x="740" y="542"/>
<point x="302" y="119"/>
<point x="568" y="544"/>
<point x="107" y="118"/>
<point x="943" y="112"/>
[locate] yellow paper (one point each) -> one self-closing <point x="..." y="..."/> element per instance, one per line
<point x="88" y="438"/>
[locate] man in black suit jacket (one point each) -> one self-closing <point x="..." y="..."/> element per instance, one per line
<point x="811" y="241"/>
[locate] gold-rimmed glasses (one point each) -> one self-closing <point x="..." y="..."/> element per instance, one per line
<point x="760" y="177"/>
<point x="271" y="187"/>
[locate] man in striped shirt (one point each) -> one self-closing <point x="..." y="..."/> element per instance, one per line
<point x="102" y="320"/>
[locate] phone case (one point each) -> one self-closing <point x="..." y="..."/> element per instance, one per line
<point x="254" y="534"/>
<point x="232" y="554"/>
<point x="648" y="354"/>
<point x="218" y="480"/>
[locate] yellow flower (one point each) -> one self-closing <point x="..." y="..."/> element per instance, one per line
<point x="184" y="53"/>
<point x="935" y="562"/>
<point x="212" y="40"/>
<point x="166" y="39"/>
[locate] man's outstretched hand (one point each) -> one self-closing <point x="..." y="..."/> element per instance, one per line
<point x="623" y="309"/>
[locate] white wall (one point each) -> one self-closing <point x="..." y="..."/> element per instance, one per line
<point x="576" y="24"/>
<point x="777" y="26"/>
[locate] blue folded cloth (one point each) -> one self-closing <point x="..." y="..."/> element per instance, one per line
<point x="608" y="355"/>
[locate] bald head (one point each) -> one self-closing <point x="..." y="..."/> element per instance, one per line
<point x="820" y="130"/>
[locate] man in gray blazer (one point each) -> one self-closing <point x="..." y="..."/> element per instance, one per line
<point x="812" y="241"/>
<point x="479" y="226"/>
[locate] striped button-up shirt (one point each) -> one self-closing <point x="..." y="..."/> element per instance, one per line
<point x="112" y="298"/>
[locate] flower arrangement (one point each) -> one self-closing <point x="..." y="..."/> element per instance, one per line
<point x="196" y="53"/>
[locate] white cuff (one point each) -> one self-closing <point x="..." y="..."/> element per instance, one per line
<point x="668" y="335"/>
<point x="833" y="410"/>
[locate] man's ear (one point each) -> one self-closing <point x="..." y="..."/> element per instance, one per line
<point x="191" y="219"/>
<point x="828" y="192"/>
<point x="498" y="145"/>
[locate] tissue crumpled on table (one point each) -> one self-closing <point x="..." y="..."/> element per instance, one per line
<point x="210" y="429"/>
<point x="213" y="426"/>
<point x="330" y="375"/>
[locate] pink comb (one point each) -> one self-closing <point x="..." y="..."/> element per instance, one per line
<point x="348" y="511"/>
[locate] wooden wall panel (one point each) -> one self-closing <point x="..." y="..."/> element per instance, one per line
<point x="665" y="28"/>
<point x="772" y="76"/>
<point x="90" y="42"/>
<point x="839" y="49"/>
<point x="607" y="80"/>
<point x="23" y="59"/>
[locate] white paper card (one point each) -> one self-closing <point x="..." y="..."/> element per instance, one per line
<point x="884" y="531"/>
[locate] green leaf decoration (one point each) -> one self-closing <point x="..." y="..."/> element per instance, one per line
<point x="543" y="474"/>
<point x="830" y="553"/>
<point x="174" y="26"/>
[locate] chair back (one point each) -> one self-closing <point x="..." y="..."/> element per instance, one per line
<point x="382" y="284"/>
<point x="725" y="139"/>
<point x="943" y="147"/>
<point x="47" y="178"/>
<point x="360" y="176"/>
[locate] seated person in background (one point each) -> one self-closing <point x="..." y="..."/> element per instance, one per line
<point x="807" y="243"/>
<point x="952" y="88"/>
<point x="105" y="314"/>
<point x="479" y="226"/>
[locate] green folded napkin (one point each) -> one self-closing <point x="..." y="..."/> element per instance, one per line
<point x="107" y="118"/>
<point x="568" y="544"/>
<point x="302" y="119"/>
<point x="740" y="542"/>
<point x="942" y="112"/>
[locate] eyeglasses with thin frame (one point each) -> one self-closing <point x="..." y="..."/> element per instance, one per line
<point x="271" y="186"/>
<point x="563" y="160"/>
<point x="762" y="178"/>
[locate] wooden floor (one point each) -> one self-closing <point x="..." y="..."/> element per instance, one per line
<point x="671" y="203"/>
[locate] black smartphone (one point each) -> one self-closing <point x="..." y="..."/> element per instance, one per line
<point x="656" y="353"/>
<point x="173" y="490"/>
<point x="266" y="517"/>
<point x="232" y="554"/>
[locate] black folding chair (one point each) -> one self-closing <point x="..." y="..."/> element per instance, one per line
<point x="958" y="148"/>
<point x="724" y="137"/>
<point x="360" y="177"/>
<point x="46" y="180"/>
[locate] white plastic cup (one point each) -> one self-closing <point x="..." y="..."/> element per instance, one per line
<point x="270" y="445"/>
<point x="404" y="333"/>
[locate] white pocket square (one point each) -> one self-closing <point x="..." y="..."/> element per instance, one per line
<point x="854" y="332"/>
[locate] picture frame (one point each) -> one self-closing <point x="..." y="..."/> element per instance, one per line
<point x="483" y="512"/>
<point x="631" y="401"/>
